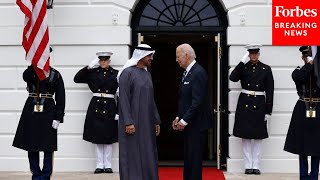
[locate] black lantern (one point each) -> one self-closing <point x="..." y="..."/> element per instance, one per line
<point x="49" y="4"/>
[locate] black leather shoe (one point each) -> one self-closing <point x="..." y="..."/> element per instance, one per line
<point x="248" y="171"/>
<point x="99" y="171"/>
<point x="108" y="170"/>
<point x="256" y="172"/>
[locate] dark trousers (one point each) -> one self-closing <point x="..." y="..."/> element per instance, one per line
<point x="37" y="173"/>
<point x="303" y="164"/>
<point x="193" y="149"/>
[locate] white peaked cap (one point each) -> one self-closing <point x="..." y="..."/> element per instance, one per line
<point x="104" y="53"/>
<point x="253" y="46"/>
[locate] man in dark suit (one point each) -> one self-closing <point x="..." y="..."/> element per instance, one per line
<point x="194" y="116"/>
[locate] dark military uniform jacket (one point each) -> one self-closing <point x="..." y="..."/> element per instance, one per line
<point x="251" y="109"/>
<point x="35" y="132"/>
<point x="304" y="132"/>
<point x="100" y="126"/>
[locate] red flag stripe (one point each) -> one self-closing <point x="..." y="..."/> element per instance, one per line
<point x="47" y="66"/>
<point x="40" y="73"/>
<point x="34" y="2"/>
<point x="27" y="25"/>
<point x="26" y="7"/>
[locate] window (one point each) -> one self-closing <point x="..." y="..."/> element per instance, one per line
<point x="179" y="13"/>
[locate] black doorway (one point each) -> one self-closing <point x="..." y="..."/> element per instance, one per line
<point x="166" y="75"/>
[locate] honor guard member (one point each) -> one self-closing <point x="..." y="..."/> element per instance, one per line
<point x="40" y="118"/>
<point x="304" y="129"/>
<point x="254" y="106"/>
<point x="101" y="125"/>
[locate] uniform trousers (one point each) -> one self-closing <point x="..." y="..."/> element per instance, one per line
<point x="303" y="166"/>
<point x="104" y="155"/>
<point x="251" y="153"/>
<point x="37" y="173"/>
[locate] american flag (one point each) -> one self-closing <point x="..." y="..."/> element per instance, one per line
<point x="36" y="35"/>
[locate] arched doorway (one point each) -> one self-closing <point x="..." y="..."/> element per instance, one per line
<point x="164" y="24"/>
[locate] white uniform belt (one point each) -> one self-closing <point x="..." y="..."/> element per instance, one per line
<point x="253" y="93"/>
<point x="103" y="95"/>
<point x="35" y="95"/>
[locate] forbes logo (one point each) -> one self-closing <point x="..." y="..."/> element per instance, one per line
<point x="297" y="12"/>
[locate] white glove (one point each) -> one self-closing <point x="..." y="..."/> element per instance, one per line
<point x="267" y="117"/>
<point x="116" y="117"/>
<point x="245" y="58"/>
<point x="55" y="124"/>
<point x="94" y="63"/>
<point x="309" y="58"/>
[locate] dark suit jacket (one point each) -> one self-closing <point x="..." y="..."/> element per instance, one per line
<point x="194" y="105"/>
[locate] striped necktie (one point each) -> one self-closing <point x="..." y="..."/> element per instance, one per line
<point x="184" y="76"/>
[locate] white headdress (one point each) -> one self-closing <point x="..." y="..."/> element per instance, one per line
<point x="140" y="52"/>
